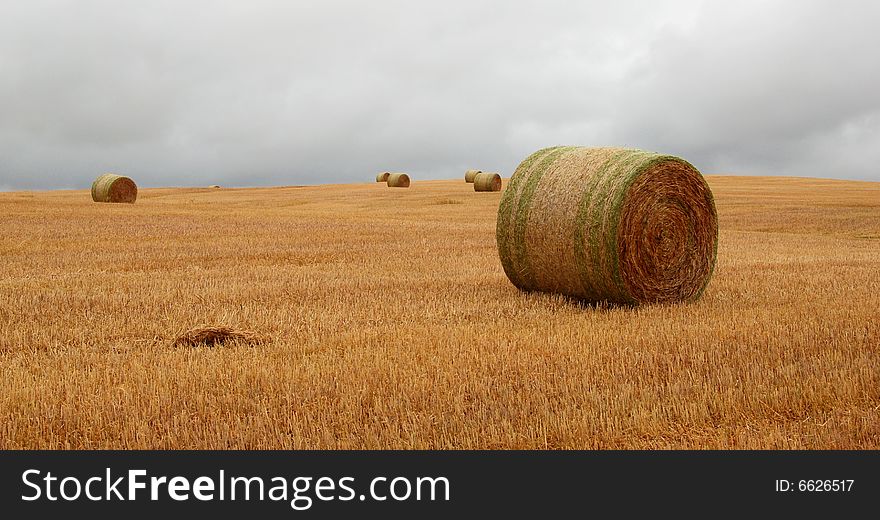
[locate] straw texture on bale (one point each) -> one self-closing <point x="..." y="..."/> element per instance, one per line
<point x="488" y="181"/>
<point x="608" y="225"/>
<point x="114" y="188"/>
<point x="398" y="180"/>
<point x="382" y="177"/>
<point x="470" y="174"/>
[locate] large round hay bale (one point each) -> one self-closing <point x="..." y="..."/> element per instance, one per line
<point x="398" y="180"/>
<point x="488" y="181"/>
<point x="608" y="225"/>
<point x="382" y="177"/>
<point x="470" y="174"/>
<point x="114" y="188"/>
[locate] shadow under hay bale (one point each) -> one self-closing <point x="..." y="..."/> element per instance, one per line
<point x="216" y="336"/>
<point x="114" y="188"/>
<point x="470" y="174"/>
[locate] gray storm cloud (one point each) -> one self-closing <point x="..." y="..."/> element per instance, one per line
<point x="277" y="92"/>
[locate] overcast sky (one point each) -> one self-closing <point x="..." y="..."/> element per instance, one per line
<point x="246" y="93"/>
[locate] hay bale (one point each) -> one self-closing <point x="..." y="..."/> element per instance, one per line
<point x="488" y="181"/>
<point x="215" y="186"/>
<point x="398" y="180"/>
<point x="215" y="336"/>
<point x="470" y="174"/>
<point x="383" y="177"/>
<point x="114" y="188"/>
<point x="608" y="225"/>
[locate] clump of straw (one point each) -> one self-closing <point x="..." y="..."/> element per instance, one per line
<point x="216" y="336"/>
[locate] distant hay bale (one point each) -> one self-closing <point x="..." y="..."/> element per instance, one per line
<point x="215" y="336"/>
<point x="608" y="225"/>
<point x="398" y="180"/>
<point x="382" y="177"/>
<point x="214" y="186"/>
<point x="488" y="181"/>
<point x="114" y="188"/>
<point x="470" y="174"/>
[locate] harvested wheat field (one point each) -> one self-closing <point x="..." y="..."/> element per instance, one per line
<point x="385" y="320"/>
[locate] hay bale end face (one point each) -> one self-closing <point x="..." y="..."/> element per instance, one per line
<point x="608" y="225"/>
<point x="398" y="180"/>
<point x="114" y="188"/>
<point x="488" y="181"/>
<point x="383" y="177"/>
<point x="470" y="174"/>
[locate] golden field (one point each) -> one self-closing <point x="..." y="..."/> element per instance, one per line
<point x="388" y="323"/>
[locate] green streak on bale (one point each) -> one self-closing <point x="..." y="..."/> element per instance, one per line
<point x="617" y="180"/>
<point x="506" y="211"/>
<point x="114" y="188"/>
<point x="610" y="225"/>
<point x="521" y="260"/>
<point x="470" y="174"/>
<point x="586" y="226"/>
<point x="489" y="181"/>
<point x="398" y="180"/>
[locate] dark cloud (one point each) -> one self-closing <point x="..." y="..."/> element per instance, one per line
<point x="276" y="92"/>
